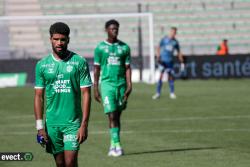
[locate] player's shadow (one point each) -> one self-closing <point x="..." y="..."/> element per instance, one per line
<point x="172" y="150"/>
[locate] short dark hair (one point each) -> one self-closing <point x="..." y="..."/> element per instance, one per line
<point x="112" y="21"/>
<point x="59" y="28"/>
<point x="174" y="28"/>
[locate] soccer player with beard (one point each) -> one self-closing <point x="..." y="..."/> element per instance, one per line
<point x="63" y="79"/>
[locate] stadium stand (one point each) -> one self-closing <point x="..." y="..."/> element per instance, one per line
<point x="201" y="23"/>
<point x="25" y="37"/>
<point x="1" y="7"/>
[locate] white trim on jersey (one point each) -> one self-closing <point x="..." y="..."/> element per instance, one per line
<point x="96" y="63"/>
<point x="85" y="86"/>
<point x="111" y="43"/>
<point x="39" y="87"/>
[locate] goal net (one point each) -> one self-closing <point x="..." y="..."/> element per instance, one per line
<point x="28" y="37"/>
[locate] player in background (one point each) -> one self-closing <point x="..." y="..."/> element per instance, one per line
<point x="112" y="59"/>
<point x="165" y="56"/>
<point x="223" y="49"/>
<point x="63" y="79"/>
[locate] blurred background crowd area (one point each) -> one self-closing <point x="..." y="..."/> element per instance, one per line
<point x="202" y="24"/>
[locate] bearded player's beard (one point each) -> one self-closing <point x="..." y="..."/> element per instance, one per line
<point x="61" y="53"/>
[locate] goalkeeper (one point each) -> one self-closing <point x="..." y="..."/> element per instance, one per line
<point x="165" y="55"/>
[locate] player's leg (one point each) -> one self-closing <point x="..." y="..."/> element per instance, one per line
<point x="71" y="145"/>
<point x="119" y="119"/>
<point x="110" y="109"/>
<point x="59" y="159"/>
<point x="55" y="145"/>
<point x="114" y="128"/>
<point x="70" y="158"/>
<point x="170" y="71"/>
<point x="159" y="83"/>
<point x="121" y="105"/>
<point x="114" y="124"/>
<point x="171" y="87"/>
<point x="119" y="150"/>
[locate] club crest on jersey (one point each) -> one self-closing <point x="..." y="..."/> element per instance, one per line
<point x="69" y="68"/>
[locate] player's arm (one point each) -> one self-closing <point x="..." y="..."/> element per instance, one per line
<point x="128" y="75"/>
<point x="86" y="104"/>
<point x="180" y="57"/>
<point x="129" y="82"/>
<point x="97" y="69"/>
<point x="96" y="82"/>
<point x="158" y="50"/>
<point x="38" y="111"/>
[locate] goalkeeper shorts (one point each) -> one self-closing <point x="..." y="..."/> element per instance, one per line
<point x="168" y="67"/>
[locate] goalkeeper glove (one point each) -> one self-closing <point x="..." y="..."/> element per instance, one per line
<point x="182" y="67"/>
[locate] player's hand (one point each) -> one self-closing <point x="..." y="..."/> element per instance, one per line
<point x="127" y="93"/>
<point x="82" y="134"/>
<point x="159" y="61"/>
<point x="97" y="95"/>
<point x="43" y="137"/>
<point x="182" y="68"/>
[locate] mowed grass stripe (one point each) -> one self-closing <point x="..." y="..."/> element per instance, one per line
<point x="16" y="133"/>
<point x="207" y="114"/>
<point x="144" y="120"/>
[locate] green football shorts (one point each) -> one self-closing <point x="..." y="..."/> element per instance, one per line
<point x="62" y="138"/>
<point x="112" y="98"/>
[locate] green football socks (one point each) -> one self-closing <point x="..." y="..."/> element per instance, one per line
<point x="115" y="137"/>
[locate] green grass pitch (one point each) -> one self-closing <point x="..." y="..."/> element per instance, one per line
<point x="208" y="125"/>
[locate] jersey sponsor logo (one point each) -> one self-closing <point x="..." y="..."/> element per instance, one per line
<point x="62" y="86"/>
<point x="69" y="138"/>
<point x="112" y="60"/>
<point x="169" y="48"/>
<point x="52" y="65"/>
<point x="73" y="62"/>
<point x="59" y="76"/>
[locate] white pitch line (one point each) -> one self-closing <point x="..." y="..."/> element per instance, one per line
<point x="19" y="116"/>
<point x="145" y="120"/>
<point x="181" y="119"/>
<point x="143" y="132"/>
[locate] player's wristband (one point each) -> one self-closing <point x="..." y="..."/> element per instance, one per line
<point x="39" y="124"/>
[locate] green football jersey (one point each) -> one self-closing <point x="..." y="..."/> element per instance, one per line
<point x="62" y="80"/>
<point x="112" y="59"/>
